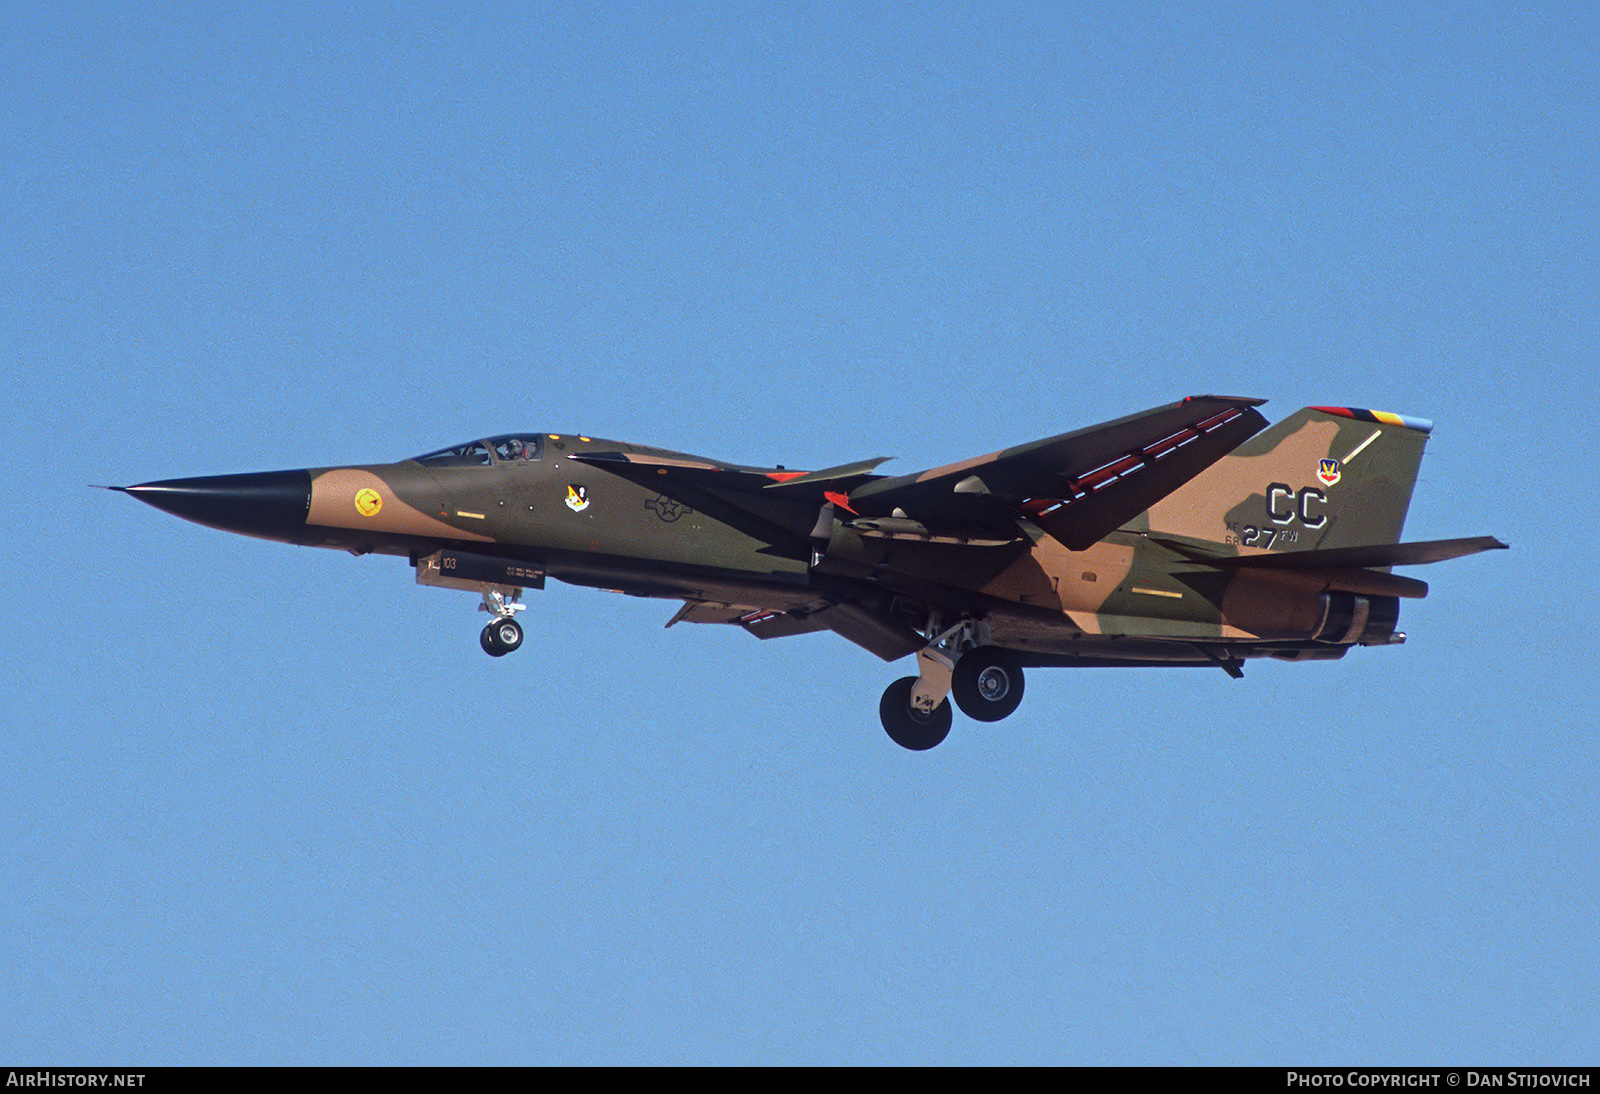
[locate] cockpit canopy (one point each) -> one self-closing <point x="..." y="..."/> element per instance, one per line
<point x="502" y="449"/>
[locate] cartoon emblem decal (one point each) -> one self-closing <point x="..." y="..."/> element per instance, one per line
<point x="577" y="498"/>
<point x="1328" y="472"/>
<point x="368" y="502"/>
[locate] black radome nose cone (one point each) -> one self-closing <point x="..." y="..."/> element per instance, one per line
<point x="269" y="504"/>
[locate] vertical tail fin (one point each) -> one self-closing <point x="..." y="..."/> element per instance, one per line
<point x="1324" y="477"/>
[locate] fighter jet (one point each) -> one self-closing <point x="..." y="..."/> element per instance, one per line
<point x="1189" y="534"/>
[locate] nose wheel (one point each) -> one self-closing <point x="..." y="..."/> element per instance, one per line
<point x="501" y="637"/>
<point x="504" y="633"/>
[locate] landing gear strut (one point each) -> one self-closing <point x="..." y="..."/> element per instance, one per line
<point x="985" y="681"/>
<point x="476" y="574"/>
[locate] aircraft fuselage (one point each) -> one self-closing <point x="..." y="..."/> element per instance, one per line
<point x="1166" y="538"/>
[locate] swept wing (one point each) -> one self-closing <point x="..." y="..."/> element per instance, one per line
<point x="1077" y="486"/>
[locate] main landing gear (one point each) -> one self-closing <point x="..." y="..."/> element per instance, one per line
<point x="985" y="681"/>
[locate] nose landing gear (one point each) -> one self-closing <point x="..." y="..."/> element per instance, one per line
<point x="486" y="576"/>
<point x="501" y="637"/>
<point x="504" y="633"/>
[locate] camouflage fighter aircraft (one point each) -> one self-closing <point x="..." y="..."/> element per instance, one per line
<point x="1183" y="535"/>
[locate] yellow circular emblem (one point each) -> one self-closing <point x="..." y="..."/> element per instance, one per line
<point x="368" y="502"/>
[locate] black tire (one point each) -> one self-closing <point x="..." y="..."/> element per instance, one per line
<point x="487" y="641"/>
<point x="987" y="684"/>
<point x="507" y="633"/>
<point x="493" y="638"/>
<point x="906" y="727"/>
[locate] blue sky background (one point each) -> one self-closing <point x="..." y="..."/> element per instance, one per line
<point x="263" y="804"/>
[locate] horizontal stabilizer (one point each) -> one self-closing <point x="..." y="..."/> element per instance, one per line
<point x="1372" y="583"/>
<point x="1381" y="554"/>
